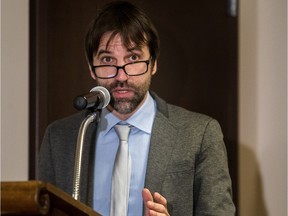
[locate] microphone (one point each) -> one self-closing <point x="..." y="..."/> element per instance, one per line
<point x="97" y="98"/>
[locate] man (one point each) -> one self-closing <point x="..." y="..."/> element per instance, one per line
<point x="178" y="158"/>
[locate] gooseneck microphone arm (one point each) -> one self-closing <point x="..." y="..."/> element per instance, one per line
<point x="101" y="99"/>
<point x="79" y="152"/>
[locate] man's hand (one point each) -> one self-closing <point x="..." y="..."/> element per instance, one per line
<point x="155" y="205"/>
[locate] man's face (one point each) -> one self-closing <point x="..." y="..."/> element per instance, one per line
<point x="127" y="92"/>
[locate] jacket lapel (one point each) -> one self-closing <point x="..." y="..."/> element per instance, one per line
<point x="161" y="147"/>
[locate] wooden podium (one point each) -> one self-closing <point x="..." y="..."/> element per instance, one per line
<point x="39" y="198"/>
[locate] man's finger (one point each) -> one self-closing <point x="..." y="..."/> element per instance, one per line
<point x="160" y="199"/>
<point x="147" y="196"/>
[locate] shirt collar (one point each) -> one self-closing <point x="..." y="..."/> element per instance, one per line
<point x="141" y="119"/>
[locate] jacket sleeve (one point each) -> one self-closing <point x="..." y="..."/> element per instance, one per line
<point x="46" y="169"/>
<point x="212" y="183"/>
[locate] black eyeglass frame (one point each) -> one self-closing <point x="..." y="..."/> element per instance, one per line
<point x="120" y="67"/>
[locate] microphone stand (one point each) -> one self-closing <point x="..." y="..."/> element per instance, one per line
<point x="79" y="151"/>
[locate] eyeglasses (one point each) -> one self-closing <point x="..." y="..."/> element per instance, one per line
<point x="136" y="68"/>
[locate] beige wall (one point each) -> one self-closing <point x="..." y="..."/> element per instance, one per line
<point x="14" y="90"/>
<point x="263" y="107"/>
<point x="262" y="102"/>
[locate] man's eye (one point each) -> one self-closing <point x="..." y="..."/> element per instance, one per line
<point x="134" y="58"/>
<point x="107" y="59"/>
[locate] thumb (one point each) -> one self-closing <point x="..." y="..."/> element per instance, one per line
<point x="147" y="196"/>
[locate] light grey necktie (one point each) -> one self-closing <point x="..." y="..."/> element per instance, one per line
<point x="121" y="174"/>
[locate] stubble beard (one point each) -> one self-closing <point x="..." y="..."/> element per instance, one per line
<point x="125" y="105"/>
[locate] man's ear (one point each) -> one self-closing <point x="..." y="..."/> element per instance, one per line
<point x="91" y="72"/>
<point x="154" y="68"/>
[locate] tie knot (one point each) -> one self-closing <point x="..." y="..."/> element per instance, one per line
<point x="122" y="131"/>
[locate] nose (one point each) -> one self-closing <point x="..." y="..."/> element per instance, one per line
<point x="121" y="75"/>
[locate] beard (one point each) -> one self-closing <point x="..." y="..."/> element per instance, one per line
<point x="126" y="105"/>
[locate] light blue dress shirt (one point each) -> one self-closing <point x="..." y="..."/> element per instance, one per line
<point x="106" y="146"/>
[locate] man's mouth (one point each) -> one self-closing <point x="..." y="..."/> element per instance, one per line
<point x="122" y="93"/>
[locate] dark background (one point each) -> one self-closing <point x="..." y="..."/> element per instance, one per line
<point x="197" y="67"/>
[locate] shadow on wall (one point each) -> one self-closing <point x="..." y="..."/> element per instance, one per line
<point x="251" y="200"/>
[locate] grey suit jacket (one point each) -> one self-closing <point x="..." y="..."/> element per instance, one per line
<point x="187" y="161"/>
